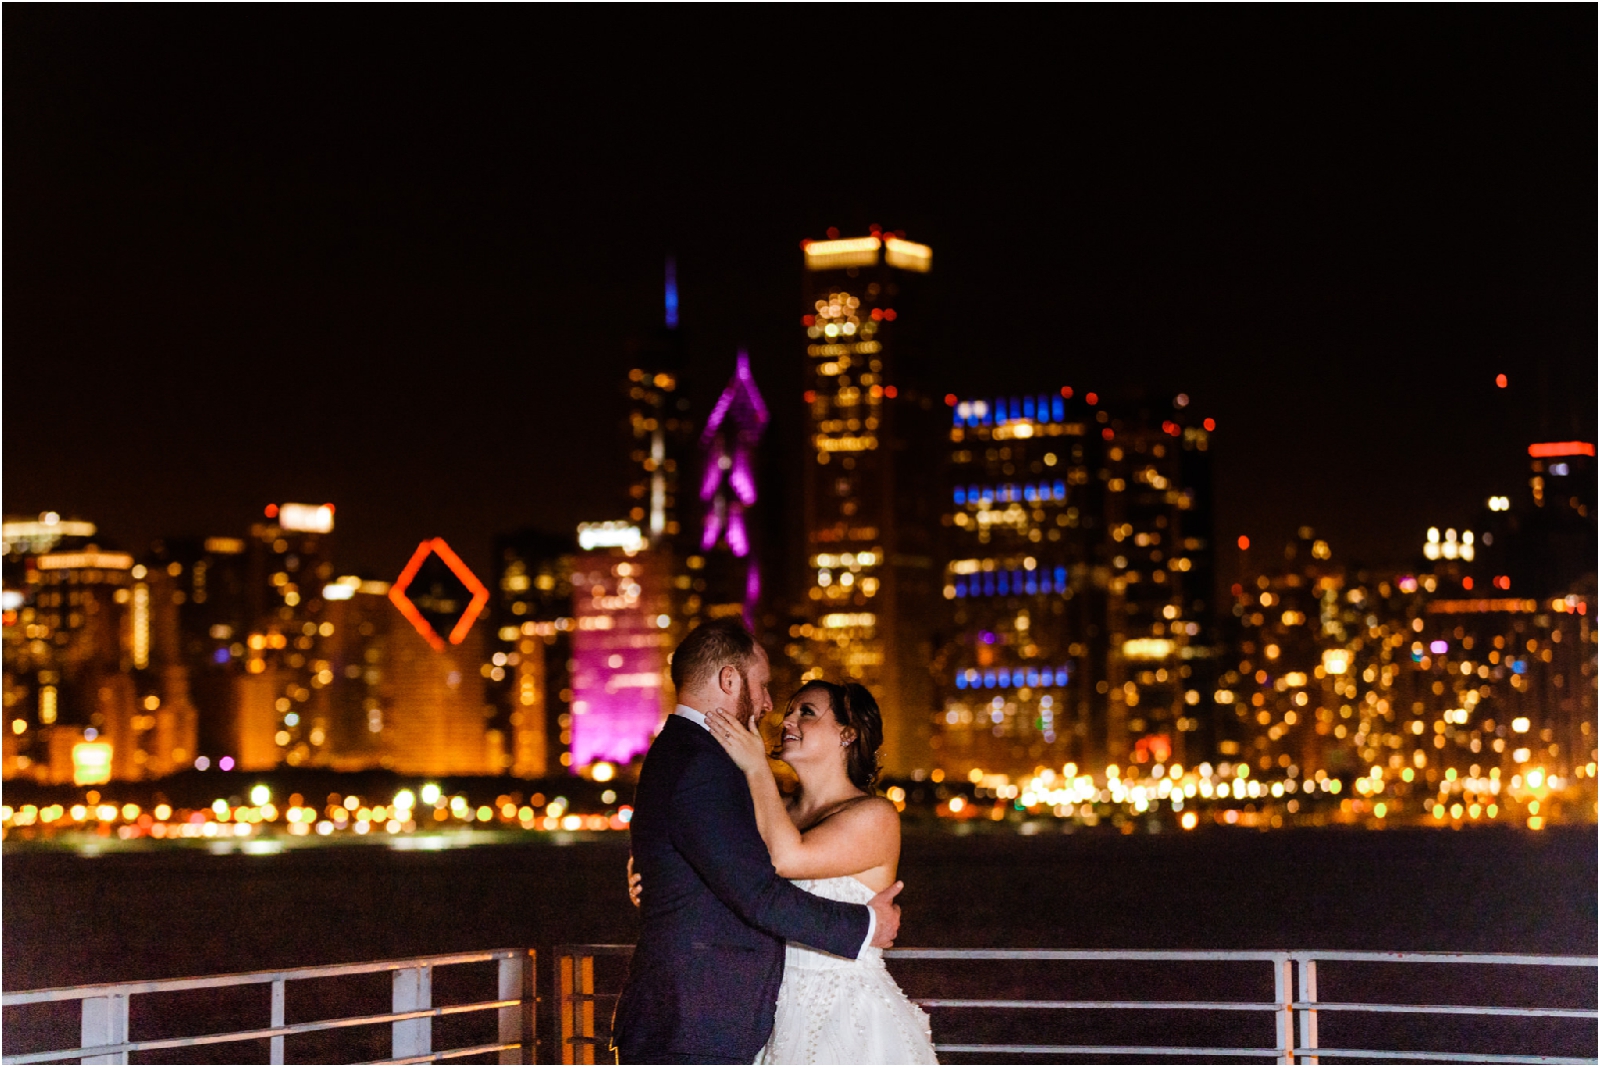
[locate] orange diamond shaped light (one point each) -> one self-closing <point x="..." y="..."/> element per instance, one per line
<point x="480" y="594"/>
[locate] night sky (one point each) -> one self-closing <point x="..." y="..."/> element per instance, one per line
<point x="393" y="257"/>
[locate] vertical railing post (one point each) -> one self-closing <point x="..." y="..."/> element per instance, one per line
<point x="1308" y="1016"/>
<point x="564" y="1004"/>
<point x="105" y="1022"/>
<point x="276" y="1054"/>
<point x="413" y="991"/>
<point x="530" y="1009"/>
<point x="586" y="1006"/>
<point x="517" y="978"/>
<point x="575" y="973"/>
<point x="1283" y="995"/>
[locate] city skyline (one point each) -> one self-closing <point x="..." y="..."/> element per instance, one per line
<point x="327" y="298"/>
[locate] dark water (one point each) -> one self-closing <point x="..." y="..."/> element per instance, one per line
<point x="72" y="920"/>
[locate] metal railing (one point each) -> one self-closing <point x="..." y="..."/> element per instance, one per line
<point x="1294" y="1006"/>
<point x="104" y="1026"/>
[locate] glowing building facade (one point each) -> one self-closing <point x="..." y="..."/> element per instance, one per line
<point x="870" y="582"/>
<point x="281" y="699"/>
<point x="528" y="672"/>
<point x="660" y="431"/>
<point x="727" y="492"/>
<point x="623" y="632"/>
<point x="1077" y="581"/>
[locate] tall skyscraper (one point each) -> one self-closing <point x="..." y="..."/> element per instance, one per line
<point x="870" y="583"/>
<point x="436" y="715"/>
<point x="528" y="675"/>
<point x="660" y="431"/>
<point x="281" y="698"/>
<point x="732" y="571"/>
<point x="623" y="633"/>
<point x="1078" y="579"/>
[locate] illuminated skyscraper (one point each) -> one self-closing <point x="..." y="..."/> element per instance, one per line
<point x="728" y="491"/>
<point x="870" y="582"/>
<point x="77" y="635"/>
<point x="660" y="430"/>
<point x="528" y="674"/>
<point x="288" y="662"/>
<point x="1078" y="579"/>
<point x="623" y="633"/>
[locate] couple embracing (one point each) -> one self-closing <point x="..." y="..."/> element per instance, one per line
<point x="763" y="920"/>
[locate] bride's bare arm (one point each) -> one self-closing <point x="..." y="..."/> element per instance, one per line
<point x="862" y="836"/>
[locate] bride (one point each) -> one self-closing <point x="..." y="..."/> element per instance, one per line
<point x="837" y="839"/>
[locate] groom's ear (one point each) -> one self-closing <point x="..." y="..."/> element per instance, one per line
<point x="728" y="680"/>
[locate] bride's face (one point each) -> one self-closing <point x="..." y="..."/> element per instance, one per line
<point x="810" y="731"/>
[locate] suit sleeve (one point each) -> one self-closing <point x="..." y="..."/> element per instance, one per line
<point x="714" y="828"/>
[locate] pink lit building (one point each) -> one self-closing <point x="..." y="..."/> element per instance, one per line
<point x="623" y="634"/>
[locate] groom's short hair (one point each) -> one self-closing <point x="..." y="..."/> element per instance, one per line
<point x="710" y="647"/>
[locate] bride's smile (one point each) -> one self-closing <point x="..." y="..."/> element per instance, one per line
<point x="809" y="729"/>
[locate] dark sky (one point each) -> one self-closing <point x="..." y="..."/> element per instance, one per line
<point x="392" y="257"/>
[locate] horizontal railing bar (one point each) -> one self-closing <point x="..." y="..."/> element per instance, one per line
<point x="1073" y="954"/>
<point x="1153" y="1005"/>
<point x="1448" y="1009"/>
<point x="1231" y="1005"/>
<point x="1507" y="958"/>
<point x="1434" y="1057"/>
<point x="170" y="985"/>
<point x="453" y="1054"/>
<point x="255" y="1035"/>
<point x="1109" y="1050"/>
<point x="594" y="950"/>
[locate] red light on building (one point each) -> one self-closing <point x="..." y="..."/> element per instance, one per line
<point x="1244" y="542"/>
<point x="808" y="320"/>
<point x="1108" y="433"/>
<point x="809" y="395"/>
<point x="1466" y="583"/>
<point x="272" y="511"/>
<point x="1066" y="391"/>
<point x="1502" y="581"/>
<point x="891" y="391"/>
<point x="1500" y="380"/>
<point x="949" y="400"/>
<point x="1210" y="424"/>
<point x="1551" y="449"/>
<point x="889" y="314"/>
<point x="1171" y="428"/>
<point x="1156" y="747"/>
<point x="480" y="594"/>
<point x="877" y="315"/>
<point x="1092" y="398"/>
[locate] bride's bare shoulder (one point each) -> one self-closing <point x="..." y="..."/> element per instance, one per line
<point x="872" y="812"/>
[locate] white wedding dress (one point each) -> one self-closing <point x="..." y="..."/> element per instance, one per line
<point x="835" y="1010"/>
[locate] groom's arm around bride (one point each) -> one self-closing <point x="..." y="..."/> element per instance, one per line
<point x="715" y="914"/>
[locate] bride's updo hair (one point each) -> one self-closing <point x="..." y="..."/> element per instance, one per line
<point x="855" y="709"/>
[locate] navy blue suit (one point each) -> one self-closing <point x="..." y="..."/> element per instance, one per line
<point x="706" y="972"/>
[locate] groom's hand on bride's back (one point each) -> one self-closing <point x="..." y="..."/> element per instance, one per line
<point x="888" y="913"/>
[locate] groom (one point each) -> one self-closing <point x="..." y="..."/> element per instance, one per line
<point x="715" y="914"/>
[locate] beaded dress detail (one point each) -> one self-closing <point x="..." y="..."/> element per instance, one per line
<point x="836" y="1010"/>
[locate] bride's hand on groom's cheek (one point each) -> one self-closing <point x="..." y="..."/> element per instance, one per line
<point x="740" y="740"/>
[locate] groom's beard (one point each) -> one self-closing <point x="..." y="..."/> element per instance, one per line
<point x="745" y="706"/>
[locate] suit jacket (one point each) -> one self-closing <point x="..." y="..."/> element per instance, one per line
<point x="706" y="971"/>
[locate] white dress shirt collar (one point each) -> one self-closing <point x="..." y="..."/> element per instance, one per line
<point x="693" y="716"/>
